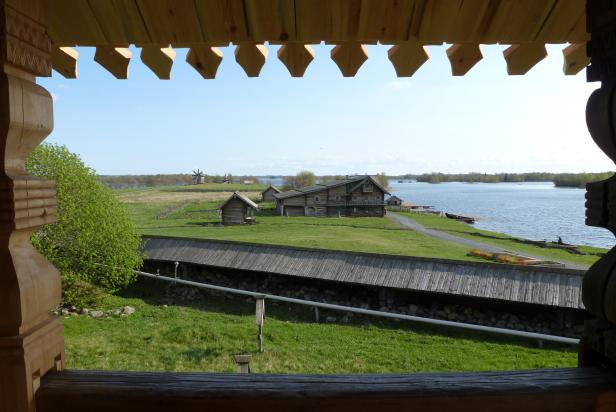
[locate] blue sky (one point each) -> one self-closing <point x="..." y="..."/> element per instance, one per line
<point x="485" y="121"/>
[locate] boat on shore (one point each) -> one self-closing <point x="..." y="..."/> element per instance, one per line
<point x="465" y="219"/>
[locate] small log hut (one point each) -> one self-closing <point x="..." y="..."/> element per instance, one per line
<point x="394" y="201"/>
<point x="38" y="35"/>
<point x="268" y="194"/>
<point x="237" y="210"/>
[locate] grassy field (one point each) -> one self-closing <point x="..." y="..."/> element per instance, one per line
<point x="377" y="235"/>
<point x="592" y="254"/>
<point x="205" y="337"/>
<point x="173" y="211"/>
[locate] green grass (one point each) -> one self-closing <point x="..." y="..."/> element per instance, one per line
<point x="506" y="242"/>
<point x="205" y="338"/>
<point x="375" y="235"/>
<point x="215" y="187"/>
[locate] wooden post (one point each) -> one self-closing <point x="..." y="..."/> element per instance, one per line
<point x="316" y="314"/>
<point x="31" y="343"/>
<point x="598" y="345"/>
<point x="243" y="363"/>
<point x="260" y="314"/>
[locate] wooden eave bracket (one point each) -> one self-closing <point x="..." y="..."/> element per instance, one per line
<point x="463" y="57"/>
<point x="349" y="57"/>
<point x="251" y="57"/>
<point x="575" y="58"/>
<point x="296" y="57"/>
<point x="159" y="60"/>
<point x="205" y="60"/>
<point x="114" y="59"/>
<point x="521" y="58"/>
<point x="407" y="58"/>
<point x="64" y="61"/>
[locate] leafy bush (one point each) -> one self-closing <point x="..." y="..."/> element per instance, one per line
<point x="94" y="240"/>
<point x="79" y="293"/>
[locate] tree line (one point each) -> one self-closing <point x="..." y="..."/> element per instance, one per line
<point x="559" y="179"/>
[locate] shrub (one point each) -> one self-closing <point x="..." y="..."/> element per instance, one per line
<point x="94" y="241"/>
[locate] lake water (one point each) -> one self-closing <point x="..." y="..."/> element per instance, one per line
<point x="530" y="210"/>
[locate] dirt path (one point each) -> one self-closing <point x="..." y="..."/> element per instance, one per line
<point x="411" y="224"/>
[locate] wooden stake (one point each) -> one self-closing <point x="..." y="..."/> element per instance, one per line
<point x="260" y="314"/>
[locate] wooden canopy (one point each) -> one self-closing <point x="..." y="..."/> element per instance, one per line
<point x="159" y="26"/>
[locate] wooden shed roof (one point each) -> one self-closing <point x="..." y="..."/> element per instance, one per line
<point x="324" y="186"/>
<point x="535" y="285"/>
<point x="159" y="26"/>
<point x="242" y="197"/>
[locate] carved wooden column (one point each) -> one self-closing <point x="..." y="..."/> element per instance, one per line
<point x="599" y="289"/>
<point x="30" y="340"/>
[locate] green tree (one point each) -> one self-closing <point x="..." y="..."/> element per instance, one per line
<point x="382" y="179"/>
<point x="94" y="240"/>
<point x="302" y="179"/>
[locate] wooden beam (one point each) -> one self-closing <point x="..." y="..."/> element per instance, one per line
<point x="463" y="57"/>
<point x="159" y="60"/>
<point x="64" y="61"/>
<point x="407" y="58"/>
<point x="296" y="57"/>
<point x="545" y="390"/>
<point x="31" y="342"/>
<point x="575" y="58"/>
<point x="523" y="57"/>
<point x="349" y="57"/>
<point x="205" y="60"/>
<point x="114" y="59"/>
<point x="251" y="57"/>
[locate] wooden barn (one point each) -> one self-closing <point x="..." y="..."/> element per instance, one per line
<point x="238" y="209"/>
<point x="268" y="194"/>
<point x="353" y="196"/>
<point x="394" y="201"/>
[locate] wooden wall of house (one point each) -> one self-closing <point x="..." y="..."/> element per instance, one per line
<point x="234" y="212"/>
<point x="294" y="210"/>
<point x="337" y="195"/>
<point x="268" y="195"/>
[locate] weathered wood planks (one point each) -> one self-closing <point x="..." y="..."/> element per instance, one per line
<point x="541" y="286"/>
<point x="572" y="389"/>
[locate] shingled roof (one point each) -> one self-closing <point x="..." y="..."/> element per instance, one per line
<point x="242" y="197"/>
<point x="318" y="187"/>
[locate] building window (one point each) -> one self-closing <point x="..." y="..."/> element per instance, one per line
<point x="317" y="199"/>
<point x="367" y="187"/>
<point x="338" y="198"/>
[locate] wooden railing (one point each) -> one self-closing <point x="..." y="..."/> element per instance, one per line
<point x="574" y="389"/>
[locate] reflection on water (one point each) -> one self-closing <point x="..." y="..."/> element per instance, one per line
<point x="530" y="210"/>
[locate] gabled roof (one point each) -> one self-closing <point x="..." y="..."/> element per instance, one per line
<point x="393" y="198"/>
<point x="318" y="187"/>
<point x="242" y="197"/>
<point x="272" y="187"/>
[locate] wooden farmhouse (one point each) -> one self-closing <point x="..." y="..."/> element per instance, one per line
<point x="37" y="36"/>
<point x="354" y="196"/>
<point x="268" y="194"/>
<point x="238" y="209"/>
<point x="394" y="201"/>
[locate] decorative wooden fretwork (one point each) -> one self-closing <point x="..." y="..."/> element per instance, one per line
<point x="31" y="342"/>
<point x="599" y="287"/>
<point x="25" y="41"/>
